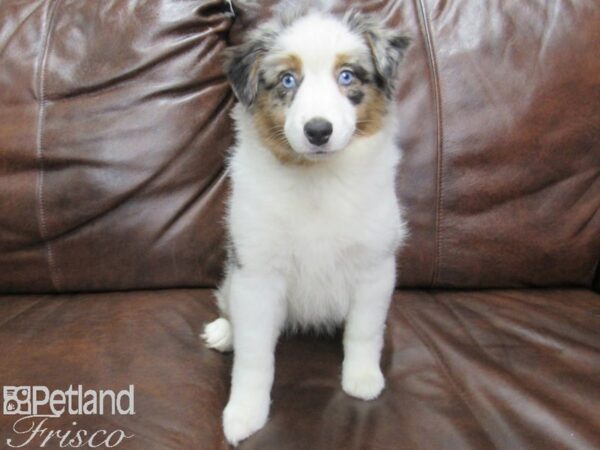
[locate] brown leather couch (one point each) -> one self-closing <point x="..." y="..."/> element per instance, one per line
<point x="114" y="126"/>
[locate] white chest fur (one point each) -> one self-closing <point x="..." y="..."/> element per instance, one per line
<point x="319" y="226"/>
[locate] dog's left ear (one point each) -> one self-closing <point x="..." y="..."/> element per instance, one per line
<point x="387" y="47"/>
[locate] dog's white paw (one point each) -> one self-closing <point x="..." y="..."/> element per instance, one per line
<point x="218" y="335"/>
<point x="363" y="383"/>
<point x="241" y="421"/>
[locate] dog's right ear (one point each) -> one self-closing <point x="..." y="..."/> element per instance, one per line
<point x="241" y="65"/>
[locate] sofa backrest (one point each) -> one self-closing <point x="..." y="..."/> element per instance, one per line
<point x="114" y="126"/>
<point x="113" y="130"/>
<point x="500" y="123"/>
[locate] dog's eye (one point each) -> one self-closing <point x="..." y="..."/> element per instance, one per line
<point x="346" y="77"/>
<point x="288" y="81"/>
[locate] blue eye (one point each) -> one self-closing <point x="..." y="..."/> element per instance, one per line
<point x="288" y="81"/>
<point x="345" y="78"/>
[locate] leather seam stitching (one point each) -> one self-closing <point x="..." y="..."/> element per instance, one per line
<point x="432" y="61"/>
<point x="41" y="82"/>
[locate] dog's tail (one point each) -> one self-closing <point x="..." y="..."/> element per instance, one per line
<point x="218" y="335"/>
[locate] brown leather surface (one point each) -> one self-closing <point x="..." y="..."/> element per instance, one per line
<point x="518" y="198"/>
<point x="498" y="119"/>
<point x="114" y="125"/>
<point x="113" y="128"/>
<point x="465" y="370"/>
<point x="109" y="341"/>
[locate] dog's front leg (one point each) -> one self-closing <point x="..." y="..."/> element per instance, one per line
<point x="257" y="312"/>
<point x="363" y="334"/>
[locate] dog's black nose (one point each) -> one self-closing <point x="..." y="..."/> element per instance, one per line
<point x="318" y="131"/>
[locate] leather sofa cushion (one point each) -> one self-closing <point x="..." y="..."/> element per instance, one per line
<point x="113" y="129"/>
<point x="515" y="106"/>
<point x="499" y="369"/>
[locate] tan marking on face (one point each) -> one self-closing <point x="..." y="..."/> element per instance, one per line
<point x="372" y="107"/>
<point x="271" y="107"/>
<point x="371" y="111"/>
<point x="341" y="60"/>
<point x="278" y="64"/>
<point x="291" y="63"/>
<point x="270" y="123"/>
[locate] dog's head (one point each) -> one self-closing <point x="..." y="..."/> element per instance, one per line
<point x="314" y="82"/>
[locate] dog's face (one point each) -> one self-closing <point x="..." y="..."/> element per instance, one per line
<point x="317" y="82"/>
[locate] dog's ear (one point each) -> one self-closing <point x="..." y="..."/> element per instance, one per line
<point x="241" y="65"/>
<point x="387" y="47"/>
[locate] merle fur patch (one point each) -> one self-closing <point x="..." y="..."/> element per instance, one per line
<point x="387" y="47"/>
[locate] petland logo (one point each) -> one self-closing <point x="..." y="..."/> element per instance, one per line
<point x="38" y="406"/>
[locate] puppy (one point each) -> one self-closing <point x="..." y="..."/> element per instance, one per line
<point x="313" y="218"/>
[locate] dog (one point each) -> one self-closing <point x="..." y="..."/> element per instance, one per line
<point x="313" y="218"/>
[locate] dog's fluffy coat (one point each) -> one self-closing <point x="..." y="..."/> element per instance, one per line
<point x="313" y="229"/>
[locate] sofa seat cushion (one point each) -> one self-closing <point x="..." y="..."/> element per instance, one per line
<point x="483" y="369"/>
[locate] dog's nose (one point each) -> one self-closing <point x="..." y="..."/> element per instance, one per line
<point x="318" y="130"/>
